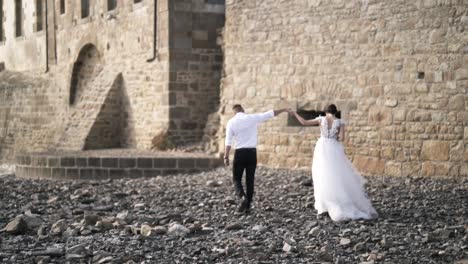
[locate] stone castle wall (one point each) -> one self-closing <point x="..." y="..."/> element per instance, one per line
<point x="123" y="38"/>
<point x="397" y="69"/>
<point x="117" y="78"/>
<point x="195" y="68"/>
<point x="27" y="114"/>
<point x="28" y="51"/>
<point x="122" y="47"/>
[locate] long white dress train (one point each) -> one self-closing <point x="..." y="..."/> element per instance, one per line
<point x="338" y="186"/>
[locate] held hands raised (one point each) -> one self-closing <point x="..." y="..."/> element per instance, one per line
<point x="290" y="111"/>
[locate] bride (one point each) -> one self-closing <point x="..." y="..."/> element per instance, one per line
<point x="338" y="186"/>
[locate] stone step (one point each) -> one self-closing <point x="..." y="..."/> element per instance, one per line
<point x="85" y="166"/>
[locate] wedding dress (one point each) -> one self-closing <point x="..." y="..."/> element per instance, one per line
<point x="338" y="186"/>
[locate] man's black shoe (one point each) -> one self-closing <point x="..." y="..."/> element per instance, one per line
<point x="243" y="207"/>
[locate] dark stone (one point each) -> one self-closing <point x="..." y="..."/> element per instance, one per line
<point x="145" y="163"/>
<point x="186" y="163"/>
<point x="127" y="163"/>
<point x="110" y="163"/>
<point x="94" y="162"/>
<point x="82" y="162"/>
<point x="67" y="162"/>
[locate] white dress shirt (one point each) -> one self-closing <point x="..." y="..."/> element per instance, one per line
<point x="243" y="128"/>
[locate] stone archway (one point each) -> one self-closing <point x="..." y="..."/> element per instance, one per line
<point x="86" y="68"/>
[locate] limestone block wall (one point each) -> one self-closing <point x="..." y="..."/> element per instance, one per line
<point x="28" y="51"/>
<point x="27" y="114"/>
<point x="397" y="69"/>
<point x="35" y="106"/>
<point x="125" y="42"/>
<point x="195" y="66"/>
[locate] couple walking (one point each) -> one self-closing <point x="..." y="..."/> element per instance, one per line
<point x="338" y="186"/>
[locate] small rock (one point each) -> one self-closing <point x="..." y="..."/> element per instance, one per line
<point x="207" y="229"/>
<point x="195" y="227"/>
<point x="160" y="230"/>
<point x="17" y="226"/>
<point x="42" y="231"/>
<point x="359" y="246"/>
<point x="212" y="183"/>
<point x="74" y="257"/>
<point x="122" y="215"/>
<point x="345" y="241"/>
<point x="77" y="249"/>
<point x="233" y="226"/>
<point x="70" y="232"/>
<point x="139" y="206"/>
<point x="58" y="228"/>
<point x="372" y="256"/>
<point x="51" y="251"/>
<point x="315" y="231"/>
<point x="107" y="222"/>
<point x="33" y="221"/>
<point x="386" y="243"/>
<point x="90" y="219"/>
<point x="146" y="230"/>
<point x="259" y="228"/>
<point x="288" y="248"/>
<point x="105" y="260"/>
<point x="178" y="230"/>
<point x="53" y="200"/>
<point x="86" y="232"/>
<point x="42" y="259"/>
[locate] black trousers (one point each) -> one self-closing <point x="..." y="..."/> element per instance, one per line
<point x="245" y="159"/>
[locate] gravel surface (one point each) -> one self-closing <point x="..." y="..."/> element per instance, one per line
<point x="193" y="219"/>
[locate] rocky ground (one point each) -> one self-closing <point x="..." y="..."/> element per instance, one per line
<point x="193" y="219"/>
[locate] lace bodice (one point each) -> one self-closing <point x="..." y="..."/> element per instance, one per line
<point x="331" y="132"/>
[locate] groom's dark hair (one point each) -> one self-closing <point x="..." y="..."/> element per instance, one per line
<point x="238" y="108"/>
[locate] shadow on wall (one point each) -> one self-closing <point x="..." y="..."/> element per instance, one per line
<point x="128" y="139"/>
<point x="114" y="126"/>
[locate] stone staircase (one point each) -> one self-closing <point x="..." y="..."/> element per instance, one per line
<point x="83" y="115"/>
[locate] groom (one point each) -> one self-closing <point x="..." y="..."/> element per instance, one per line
<point x="243" y="128"/>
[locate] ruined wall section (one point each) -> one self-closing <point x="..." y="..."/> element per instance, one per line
<point x="195" y="67"/>
<point x="397" y="69"/>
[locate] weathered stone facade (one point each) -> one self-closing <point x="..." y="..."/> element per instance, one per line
<point x="397" y="69"/>
<point x="153" y="72"/>
<point x="113" y="78"/>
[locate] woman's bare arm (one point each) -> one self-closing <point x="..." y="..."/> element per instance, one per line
<point x="312" y="122"/>
<point x="342" y="133"/>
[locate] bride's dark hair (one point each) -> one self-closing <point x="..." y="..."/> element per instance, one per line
<point x="333" y="110"/>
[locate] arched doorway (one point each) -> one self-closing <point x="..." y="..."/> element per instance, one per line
<point x="85" y="69"/>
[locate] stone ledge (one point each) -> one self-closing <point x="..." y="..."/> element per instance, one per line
<point x="80" y="167"/>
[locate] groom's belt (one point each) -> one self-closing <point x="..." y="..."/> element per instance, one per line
<point x="246" y="149"/>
